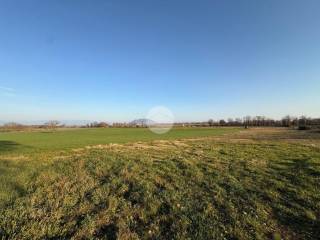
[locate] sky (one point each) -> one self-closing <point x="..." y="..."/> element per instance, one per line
<point x="115" y="60"/>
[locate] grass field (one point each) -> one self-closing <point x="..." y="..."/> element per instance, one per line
<point x="249" y="184"/>
<point x="40" y="141"/>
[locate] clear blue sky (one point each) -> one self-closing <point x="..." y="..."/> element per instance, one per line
<point x="114" y="60"/>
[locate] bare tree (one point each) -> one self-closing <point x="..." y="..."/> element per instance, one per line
<point x="52" y="124"/>
<point x="230" y="121"/>
<point x="246" y="121"/>
<point x="13" y="126"/>
<point x="222" y="122"/>
<point x="302" y="123"/>
<point x="286" y="121"/>
<point x="210" y="122"/>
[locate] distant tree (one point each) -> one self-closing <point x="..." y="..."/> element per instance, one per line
<point x="94" y="124"/>
<point x="286" y="121"/>
<point x="247" y="121"/>
<point x="238" y="121"/>
<point x="269" y="122"/>
<point x="13" y="126"/>
<point x="210" y="122"/>
<point x="102" y="125"/>
<point x="222" y="122"/>
<point x="295" y="121"/>
<point x="258" y="120"/>
<point x="302" y="123"/>
<point x="53" y="124"/>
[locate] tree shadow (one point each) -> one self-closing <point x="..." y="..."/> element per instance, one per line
<point x="289" y="208"/>
<point x="108" y="232"/>
<point x="298" y="166"/>
<point x="7" y="146"/>
<point x="297" y="222"/>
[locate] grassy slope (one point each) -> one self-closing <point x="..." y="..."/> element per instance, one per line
<point x="206" y="189"/>
<point x="24" y="142"/>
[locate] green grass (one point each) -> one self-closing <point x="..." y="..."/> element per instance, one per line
<point x="24" y="154"/>
<point x="25" y="142"/>
<point x="206" y="189"/>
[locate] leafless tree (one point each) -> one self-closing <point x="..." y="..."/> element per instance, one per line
<point x="13" y="126"/>
<point x="52" y="124"/>
<point x="222" y="122"/>
<point x="286" y="121"/>
<point x="247" y="121"/>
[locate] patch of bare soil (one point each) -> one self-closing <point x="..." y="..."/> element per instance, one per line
<point x="276" y="134"/>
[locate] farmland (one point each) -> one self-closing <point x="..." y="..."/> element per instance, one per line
<point x="64" y="139"/>
<point x="202" y="183"/>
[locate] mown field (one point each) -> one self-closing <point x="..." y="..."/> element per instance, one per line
<point x="248" y="184"/>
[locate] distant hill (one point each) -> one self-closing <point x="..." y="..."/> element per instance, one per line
<point x="142" y="122"/>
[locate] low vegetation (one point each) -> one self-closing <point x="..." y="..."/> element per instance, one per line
<point x="46" y="140"/>
<point x="253" y="184"/>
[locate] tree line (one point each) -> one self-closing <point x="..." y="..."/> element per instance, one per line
<point x="302" y="122"/>
<point x="261" y="121"/>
